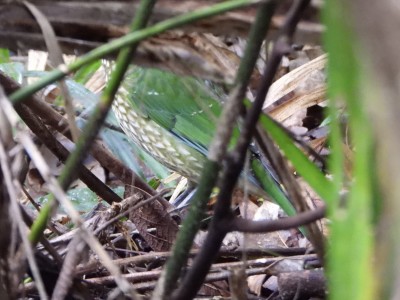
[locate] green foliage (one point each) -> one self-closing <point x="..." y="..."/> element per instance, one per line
<point x="272" y="189"/>
<point x="13" y="70"/>
<point x="83" y="199"/>
<point x="314" y="177"/>
<point x="189" y="109"/>
<point x="117" y="142"/>
<point x="86" y="72"/>
<point x="154" y="183"/>
<point x="351" y="241"/>
<point x="4" y="56"/>
<point x="178" y="112"/>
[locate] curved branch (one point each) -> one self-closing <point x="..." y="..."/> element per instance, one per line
<point x="250" y="226"/>
<point x="222" y="213"/>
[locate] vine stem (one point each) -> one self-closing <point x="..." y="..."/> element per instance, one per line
<point x="93" y="126"/>
<point x="128" y="40"/>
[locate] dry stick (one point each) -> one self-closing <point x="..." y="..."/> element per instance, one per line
<point x="195" y="276"/>
<point x="41" y="131"/>
<point x="57" y="121"/>
<point x="263" y="264"/>
<point x="216" y="154"/>
<point x="246" y="225"/>
<point x="5" y="168"/>
<point x="59" y="193"/>
<point x="56" y="59"/>
<point x="292" y="187"/>
<point x="128" y="211"/>
<point x="66" y="277"/>
<point x="151" y="257"/>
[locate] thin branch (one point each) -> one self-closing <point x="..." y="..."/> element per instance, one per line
<point x="59" y="150"/>
<point x="131" y="209"/>
<point x="11" y="189"/>
<point x="250" y="226"/>
<point x="56" y="59"/>
<point x="223" y="253"/>
<point x="217" y="151"/>
<point x="56" y="189"/>
<point x="67" y="272"/>
<point x="253" y="267"/>
<point x="222" y="213"/>
<point x="129" y="40"/>
<point x="50" y="117"/>
<point x="97" y="118"/>
<point x="293" y="189"/>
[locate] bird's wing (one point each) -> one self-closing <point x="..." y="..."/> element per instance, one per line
<point x="184" y="106"/>
<point x="188" y="108"/>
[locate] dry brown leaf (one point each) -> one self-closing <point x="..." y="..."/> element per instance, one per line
<point x="267" y="211"/>
<point x="299" y="102"/>
<point x="79" y="30"/>
<point x="255" y="283"/>
<point x="307" y="77"/>
<point x="195" y="54"/>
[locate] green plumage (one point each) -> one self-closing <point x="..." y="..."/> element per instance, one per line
<point x="182" y="105"/>
<point x="174" y="119"/>
<point x="177" y="113"/>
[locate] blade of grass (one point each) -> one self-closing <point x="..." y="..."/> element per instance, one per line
<point x="94" y="124"/>
<point x="4" y="56"/>
<point x="127" y="40"/>
<point x="308" y="170"/>
<point x="351" y="237"/>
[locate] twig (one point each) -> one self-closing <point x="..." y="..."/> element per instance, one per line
<point x="151" y="257"/>
<point x="62" y="153"/>
<point x="128" y="211"/>
<point x="217" y="152"/>
<point x="219" y="271"/>
<point x="194" y="278"/>
<point x="66" y="277"/>
<point x="5" y="169"/>
<point x="250" y="226"/>
<point x="128" y="40"/>
<point x="56" y="59"/>
<point x="97" y="118"/>
<point x="292" y="187"/>
<point x="58" y="192"/>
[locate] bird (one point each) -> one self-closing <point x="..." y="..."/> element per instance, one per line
<point x="173" y="118"/>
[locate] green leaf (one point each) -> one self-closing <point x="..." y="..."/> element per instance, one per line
<point x="154" y="183"/>
<point x="307" y="169"/>
<point x="83" y="199"/>
<point x="86" y="72"/>
<point x="272" y="189"/>
<point x="13" y="70"/>
<point x="4" y="56"/>
<point x="352" y="220"/>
